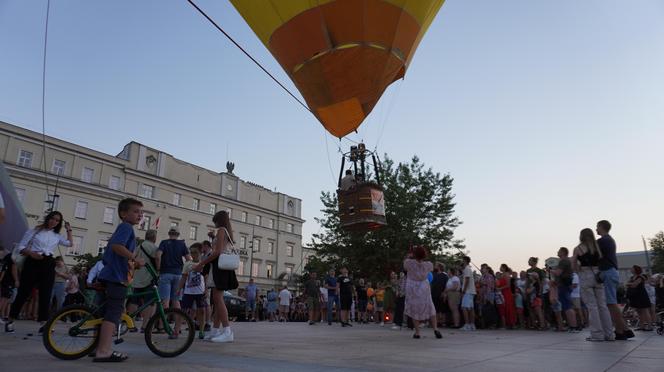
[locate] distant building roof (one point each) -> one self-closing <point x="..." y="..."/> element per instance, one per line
<point x="628" y="259"/>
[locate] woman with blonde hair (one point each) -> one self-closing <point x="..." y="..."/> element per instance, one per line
<point x="585" y="260"/>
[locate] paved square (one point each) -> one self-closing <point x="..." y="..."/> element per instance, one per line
<point x="267" y="346"/>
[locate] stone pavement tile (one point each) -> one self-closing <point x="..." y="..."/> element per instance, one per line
<point x="639" y="364"/>
<point x="299" y="347"/>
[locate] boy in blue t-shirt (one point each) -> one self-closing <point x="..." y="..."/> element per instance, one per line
<point x="118" y="255"/>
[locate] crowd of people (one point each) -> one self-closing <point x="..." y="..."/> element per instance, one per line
<point x="578" y="289"/>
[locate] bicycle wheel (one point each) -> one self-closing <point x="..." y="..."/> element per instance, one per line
<point x="66" y="334"/>
<point x="167" y="345"/>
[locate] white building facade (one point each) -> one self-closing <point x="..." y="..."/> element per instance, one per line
<point x="267" y="225"/>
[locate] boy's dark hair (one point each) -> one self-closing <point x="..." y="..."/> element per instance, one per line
<point x="564" y="250"/>
<point x="196" y="246"/>
<point x="127" y="203"/>
<point x="604" y="224"/>
<point x="466" y="259"/>
<point x="207" y="243"/>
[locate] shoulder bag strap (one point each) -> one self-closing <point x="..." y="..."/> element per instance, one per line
<point x="232" y="249"/>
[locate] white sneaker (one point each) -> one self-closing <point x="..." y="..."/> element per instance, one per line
<point x="214" y="332"/>
<point x="396" y="327"/>
<point x="382" y="324"/>
<point x="225" y="336"/>
<point x="472" y="327"/>
<point x="466" y="327"/>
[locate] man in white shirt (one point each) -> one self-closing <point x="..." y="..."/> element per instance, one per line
<point x="576" y="300"/>
<point x="348" y="182"/>
<point x="468" y="292"/>
<point x="284" y="304"/>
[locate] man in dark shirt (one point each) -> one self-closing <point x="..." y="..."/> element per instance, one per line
<point x="345" y="285"/>
<point x="169" y="263"/>
<point x="608" y="267"/>
<point x="438" y="284"/>
<point x="332" y="294"/>
<point x="312" y="290"/>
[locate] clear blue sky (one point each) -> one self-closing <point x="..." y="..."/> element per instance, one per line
<point x="549" y="115"/>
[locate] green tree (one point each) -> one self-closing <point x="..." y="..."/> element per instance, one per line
<point x="657" y="245"/>
<point x="419" y="211"/>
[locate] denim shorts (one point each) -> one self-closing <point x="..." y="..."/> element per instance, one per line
<point x="556" y="307"/>
<point x="468" y="301"/>
<point x="251" y="304"/>
<point x="168" y="286"/>
<point x="565" y="297"/>
<point x="611" y="280"/>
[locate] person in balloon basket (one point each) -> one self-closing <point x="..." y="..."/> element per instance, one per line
<point x="118" y="257"/>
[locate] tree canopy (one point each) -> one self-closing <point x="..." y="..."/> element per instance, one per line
<point x="657" y="245"/>
<point x="419" y="208"/>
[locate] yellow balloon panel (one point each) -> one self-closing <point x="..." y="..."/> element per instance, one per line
<point x="341" y="54"/>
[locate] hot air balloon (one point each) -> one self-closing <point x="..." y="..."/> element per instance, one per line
<point x="341" y="54"/>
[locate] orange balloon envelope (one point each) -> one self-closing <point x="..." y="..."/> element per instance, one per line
<point x="341" y="54"/>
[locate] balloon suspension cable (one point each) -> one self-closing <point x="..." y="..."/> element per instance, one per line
<point x="43" y="112"/>
<point x="327" y="151"/>
<point x="248" y="55"/>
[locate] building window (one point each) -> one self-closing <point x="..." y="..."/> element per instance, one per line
<point x="240" y="268"/>
<point x="145" y="223"/>
<point x="101" y="245"/>
<point x="20" y="194"/>
<point x="256" y="246"/>
<point x="289" y="271"/>
<point x="24" y="159"/>
<point x="213" y="208"/>
<point x="270" y="223"/>
<point x="174" y="225"/>
<point x="258" y="220"/>
<point x="244" y="216"/>
<point x="109" y="214"/>
<point x="87" y="174"/>
<point x="81" y="210"/>
<point x="289" y="227"/>
<point x="114" y="183"/>
<point x="243" y="241"/>
<point x="268" y="271"/>
<point x="176" y="199"/>
<point x="289" y="250"/>
<point x="193" y="232"/>
<point x="270" y="247"/>
<point x="58" y="167"/>
<point x="76" y="248"/>
<point x="254" y="268"/>
<point x="147" y="191"/>
<point x="195" y="204"/>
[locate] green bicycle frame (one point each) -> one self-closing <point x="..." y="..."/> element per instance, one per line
<point x="152" y="291"/>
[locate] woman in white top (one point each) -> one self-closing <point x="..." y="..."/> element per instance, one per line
<point x="453" y="295"/>
<point x="39" y="245"/>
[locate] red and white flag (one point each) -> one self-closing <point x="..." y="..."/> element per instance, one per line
<point x="156" y="223"/>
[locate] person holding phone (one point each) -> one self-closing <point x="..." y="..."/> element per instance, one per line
<point x="39" y="245"/>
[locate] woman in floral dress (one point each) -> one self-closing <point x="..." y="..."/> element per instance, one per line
<point x="419" y="305"/>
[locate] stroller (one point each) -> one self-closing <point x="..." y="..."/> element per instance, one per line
<point x="659" y="323"/>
